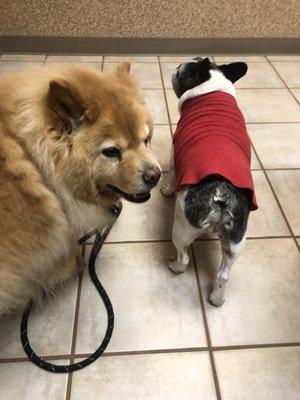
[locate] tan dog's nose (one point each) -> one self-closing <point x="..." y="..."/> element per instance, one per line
<point x="151" y="175"/>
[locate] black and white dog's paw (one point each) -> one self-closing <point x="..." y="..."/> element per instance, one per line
<point x="176" y="267"/>
<point x="216" y="298"/>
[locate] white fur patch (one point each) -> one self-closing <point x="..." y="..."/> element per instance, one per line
<point x="83" y="217"/>
<point x="236" y="248"/>
<point x="218" y="81"/>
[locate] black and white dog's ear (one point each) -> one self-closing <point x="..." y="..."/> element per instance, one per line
<point x="205" y="64"/>
<point x="234" y="71"/>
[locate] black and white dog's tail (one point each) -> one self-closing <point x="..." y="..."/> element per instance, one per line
<point x="218" y="206"/>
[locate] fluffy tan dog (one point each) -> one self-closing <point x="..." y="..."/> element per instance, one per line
<point x="72" y="142"/>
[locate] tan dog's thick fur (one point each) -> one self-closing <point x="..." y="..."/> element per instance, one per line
<point x="59" y="170"/>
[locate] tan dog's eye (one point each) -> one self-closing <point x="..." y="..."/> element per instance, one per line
<point x="147" y="141"/>
<point x="112" y="152"/>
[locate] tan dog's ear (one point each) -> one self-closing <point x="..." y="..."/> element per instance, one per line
<point x="123" y="69"/>
<point x="68" y="107"/>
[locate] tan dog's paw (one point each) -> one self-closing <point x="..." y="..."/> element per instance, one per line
<point x="167" y="191"/>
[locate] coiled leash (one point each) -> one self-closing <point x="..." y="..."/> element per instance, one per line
<point x="99" y="240"/>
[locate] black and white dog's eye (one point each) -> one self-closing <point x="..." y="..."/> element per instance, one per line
<point x="112" y="152"/>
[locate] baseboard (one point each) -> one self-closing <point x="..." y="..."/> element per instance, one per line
<point x="99" y="45"/>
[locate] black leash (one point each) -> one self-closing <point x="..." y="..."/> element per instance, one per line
<point x="99" y="240"/>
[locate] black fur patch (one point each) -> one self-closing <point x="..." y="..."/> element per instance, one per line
<point x="191" y="74"/>
<point x="234" y="71"/>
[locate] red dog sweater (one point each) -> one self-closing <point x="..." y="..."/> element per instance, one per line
<point x="211" y="139"/>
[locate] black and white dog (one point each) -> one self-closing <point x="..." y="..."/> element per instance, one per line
<point x="210" y="165"/>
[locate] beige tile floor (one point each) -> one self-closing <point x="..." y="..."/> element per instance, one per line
<point x="169" y="342"/>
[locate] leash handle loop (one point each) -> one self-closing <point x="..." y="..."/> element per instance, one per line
<point x="99" y="240"/>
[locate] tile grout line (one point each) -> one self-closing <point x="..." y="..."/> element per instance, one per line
<point x="281" y="169"/>
<point x="157" y="351"/>
<point x="165" y="97"/>
<point x="165" y="124"/>
<point x="151" y="55"/>
<point x="159" y="89"/>
<point x="255" y="346"/>
<point x="184" y="56"/>
<point x="205" y="322"/>
<point x="131" y="61"/>
<point x="162" y="124"/>
<point x="271" y="123"/>
<point x="200" y="239"/>
<point x="26" y="359"/>
<point x="263" y="87"/>
<point x="276" y="198"/>
<point x="252" y="88"/>
<point x="283" y="213"/>
<point x="147" y="352"/>
<point x="194" y="349"/>
<point x="283" y="81"/>
<point x="269" y="237"/>
<point x="75" y="326"/>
